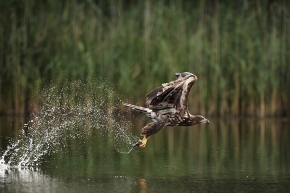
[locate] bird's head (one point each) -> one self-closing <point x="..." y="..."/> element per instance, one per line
<point x="198" y="119"/>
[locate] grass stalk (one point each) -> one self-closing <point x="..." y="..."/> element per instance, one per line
<point x="238" y="51"/>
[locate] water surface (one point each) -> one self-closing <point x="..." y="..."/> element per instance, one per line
<point x="238" y="155"/>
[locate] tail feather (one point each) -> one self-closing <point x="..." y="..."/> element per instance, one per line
<point x="138" y="108"/>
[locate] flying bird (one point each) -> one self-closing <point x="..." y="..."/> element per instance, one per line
<point x="167" y="106"/>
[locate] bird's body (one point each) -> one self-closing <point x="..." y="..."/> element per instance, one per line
<point x="167" y="106"/>
<point x="155" y="116"/>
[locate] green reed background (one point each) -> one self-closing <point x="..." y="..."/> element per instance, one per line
<point x="238" y="49"/>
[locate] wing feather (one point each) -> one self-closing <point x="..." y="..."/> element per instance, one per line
<point x="172" y="94"/>
<point x="183" y="101"/>
<point x="162" y="93"/>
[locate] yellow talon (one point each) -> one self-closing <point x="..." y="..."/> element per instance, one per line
<point x="141" y="143"/>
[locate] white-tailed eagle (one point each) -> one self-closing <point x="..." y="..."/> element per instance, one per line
<point x="167" y="106"/>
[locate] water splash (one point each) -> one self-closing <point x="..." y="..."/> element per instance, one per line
<point x="69" y="112"/>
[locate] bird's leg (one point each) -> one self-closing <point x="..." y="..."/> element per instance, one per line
<point x="141" y="143"/>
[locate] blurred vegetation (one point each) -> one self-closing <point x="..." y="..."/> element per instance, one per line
<point x="238" y="49"/>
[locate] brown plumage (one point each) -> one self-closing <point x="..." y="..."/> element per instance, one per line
<point x="167" y="106"/>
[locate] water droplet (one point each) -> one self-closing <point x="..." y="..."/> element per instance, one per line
<point x="62" y="119"/>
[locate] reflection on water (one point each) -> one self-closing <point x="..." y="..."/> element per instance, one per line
<point x="224" y="156"/>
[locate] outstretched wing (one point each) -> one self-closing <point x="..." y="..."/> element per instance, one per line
<point x="183" y="101"/>
<point x="152" y="128"/>
<point x="173" y="94"/>
<point x="165" y="96"/>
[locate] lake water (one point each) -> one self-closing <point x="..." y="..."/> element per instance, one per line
<point x="237" y="155"/>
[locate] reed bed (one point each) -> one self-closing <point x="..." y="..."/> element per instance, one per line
<point x="239" y="51"/>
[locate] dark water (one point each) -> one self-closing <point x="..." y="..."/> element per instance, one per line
<point x="238" y="155"/>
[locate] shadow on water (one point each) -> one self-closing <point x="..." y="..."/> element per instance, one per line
<point x="76" y="145"/>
